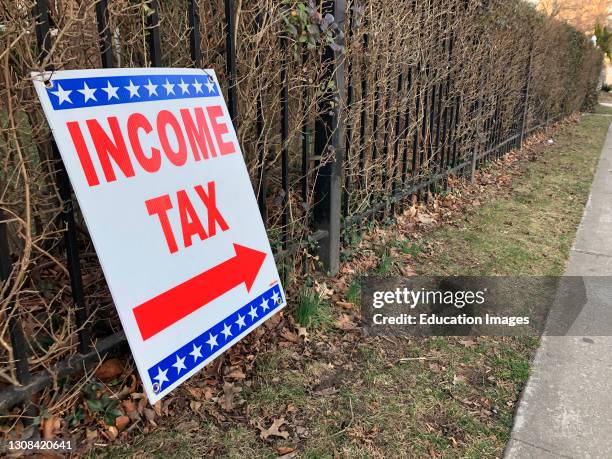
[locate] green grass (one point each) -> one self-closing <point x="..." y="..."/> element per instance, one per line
<point x="354" y="292"/>
<point x="411" y="248"/>
<point x="603" y="110"/>
<point x="386" y="263"/>
<point x="458" y="398"/>
<point x="311" y="310"/>
<point x="605" y="97"/>
<point x="529" y="231"/>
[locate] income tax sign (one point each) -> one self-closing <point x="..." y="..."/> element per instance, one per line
<point x="156" y="167"/>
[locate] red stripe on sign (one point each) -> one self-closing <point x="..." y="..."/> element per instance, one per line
<point x="169" y="307"/>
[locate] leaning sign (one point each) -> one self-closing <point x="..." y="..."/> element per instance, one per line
<point x="157" y="170"/>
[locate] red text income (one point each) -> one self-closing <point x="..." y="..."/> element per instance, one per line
<point x="170" y="137"/>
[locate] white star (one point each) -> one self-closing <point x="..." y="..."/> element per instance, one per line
<point x="169" y="87"/>
<point x="88" y="92"/>
<point x="227" y="330"/>
<point x="275" y="297"/>
<point x="180" y="364"/>
<point x="264" y="304"/>
<point x="212" y="340"/>
<point x="111" y="91"/>
<point x="210" y="85"/>
<point x="253" y="312"/>
<point x="161" y="376"/>
<point x="152" y="88"/>
<point x="197" y="86"/>
<point x="62" y="94"/>
<point x="133" y="89"/>
<point x="240" y="322"/>
<point x="196" y="352"/>
<point x="184" y="87"/>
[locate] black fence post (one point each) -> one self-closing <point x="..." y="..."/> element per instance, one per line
<point x="306" y="136"/>
<point x="153" y="34"/>
<point x="41" y="15"/>
<point x="363" y="118"/>
<point x="329" y="148"/>
<point x="106" y="53"/>
<point x="349" y="133"/>
<point x="526" y="98"/>
<point x="194" y="35"/>
<point x="474" y="158"/>
<point x="230" y="50"/>
<point x="284" y="131"/>
<point x="18" y="342"/>
<point x="262" y="188"/>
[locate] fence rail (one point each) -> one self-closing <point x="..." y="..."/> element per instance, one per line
<point x="355" y="124"/>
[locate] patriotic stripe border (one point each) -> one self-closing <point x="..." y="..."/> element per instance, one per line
<point x="191" y="355"/>
<point x="70" y="93"/>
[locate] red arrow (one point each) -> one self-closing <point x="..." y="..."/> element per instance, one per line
<point x="169" y="307"/>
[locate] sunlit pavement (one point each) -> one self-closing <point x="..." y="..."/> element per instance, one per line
<point x="566" y="407"/>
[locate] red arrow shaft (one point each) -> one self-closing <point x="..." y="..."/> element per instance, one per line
<point x="165" y="309"/>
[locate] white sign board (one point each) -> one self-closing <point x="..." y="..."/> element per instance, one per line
<point x="156" y="167"/>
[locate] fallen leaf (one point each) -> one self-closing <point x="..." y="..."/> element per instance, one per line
<point x="149" y="415"/>
<point x="109" y="369"/>
<point x="195" y="406"/>
<point x="302" y="332"/>
<point x="128" y="406"/>
<point x="273" y="321"/>
<point x="157" y="408"/>
<point x="290" y="336"/>
<point x="195" y="392"/>
<point x="425" y="219"/>
<point x="408" y="271"/>
<point x="467" y="342"/>
<point x="273" y="430"/>
<point x="48" y="426"/>
<point x="18" y="429"/>
<point x="91" y="434"/>
<point x="235" y="373"/>
<point x="325" y="392"/>
<point x="226" y="401"/>
<point x="436" y="367"/>
<point x="345" y="323"/>
<point x="121" y="422"/>
<point x="142" y="403"/>
<point x="282" y="450"/>
<point x="291" y="408"/>
<point x="323" y="290"/>
<point x="111" y="433"/>
<point x="188" y="426"/>
<point x="345" y="304"/>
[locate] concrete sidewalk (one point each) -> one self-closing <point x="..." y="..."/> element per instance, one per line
<point x="566" y="407"/>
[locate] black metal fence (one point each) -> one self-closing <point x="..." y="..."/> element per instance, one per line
<point x="417" y="139"/>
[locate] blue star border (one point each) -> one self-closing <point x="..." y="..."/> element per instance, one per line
<point x="70" y="93"/>
<point x="191" y="355"/>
